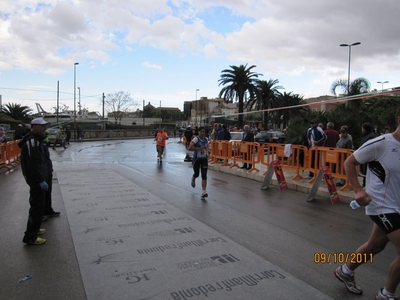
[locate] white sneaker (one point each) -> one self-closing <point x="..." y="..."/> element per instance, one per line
<point x="204" y="194"/>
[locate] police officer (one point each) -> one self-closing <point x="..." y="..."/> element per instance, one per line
<point x="34" y="169"/>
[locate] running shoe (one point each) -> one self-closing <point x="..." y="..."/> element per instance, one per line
<point x="204" y="194"/>
<point x="42" y="231"/>
<point x="348" y="281"/>
<point x="52" y="214"/>
<point x="37" y="241"/>
<point x="193" y="183"/>
<point x="381" y="296"/>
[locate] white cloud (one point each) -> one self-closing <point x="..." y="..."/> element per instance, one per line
<point x="151" y="66"/>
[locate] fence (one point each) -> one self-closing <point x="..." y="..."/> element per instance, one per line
<point x="9" y="155"/>
<point x="292" y="157"/>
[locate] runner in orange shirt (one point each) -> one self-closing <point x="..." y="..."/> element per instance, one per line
<point x="160" y="139"/>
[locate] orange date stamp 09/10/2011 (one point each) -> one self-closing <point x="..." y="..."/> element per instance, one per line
<point x="342" y="257"/>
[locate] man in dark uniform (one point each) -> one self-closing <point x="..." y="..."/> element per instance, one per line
<point x="34" y="169"/>
<point x="248" y="136"/>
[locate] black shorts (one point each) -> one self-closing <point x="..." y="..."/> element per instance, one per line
<point x="387" y="222"/>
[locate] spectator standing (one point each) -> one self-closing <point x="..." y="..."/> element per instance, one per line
<point x="227" y="134"/>
<point x="381" y="199"/>
<point x="345" y="142"/>
<point x="316" y="137"/>
<point x="48" y="205"/>
<point x="79" y="132"/>
<point x="68" y="134"/>
<point x="220" y="133"/>
<point x="188" y="135"/>
<point x="247" y="137"/>
<point x="34" y="169"/>
<point x="214" y="132"/>
<point x="60" y="139"/>
<point x="332" y="136"/>
<point x="19" y="132"/>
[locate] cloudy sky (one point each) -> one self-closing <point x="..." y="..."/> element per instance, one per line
<point x="162" y="51"/>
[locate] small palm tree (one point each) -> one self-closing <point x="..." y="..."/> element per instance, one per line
<point x="357" y="86"/>
<point x="239" y="84"/>
<point x="17" y="112"/>
<point x="267" y="93"/>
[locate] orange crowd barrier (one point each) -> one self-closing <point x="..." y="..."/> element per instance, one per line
<point x="221" y="150"/>
<point x="246" y="153"/>
<point x="333" y="158"/>
<point x="291" y="157"/>
<point x="9" y="155"/>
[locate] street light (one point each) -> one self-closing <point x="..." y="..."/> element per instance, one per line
<point x="348" y="73"/>
<point x="75" y="64"/>
<point x="382" y="82"/>
<point x="196" y="93"/>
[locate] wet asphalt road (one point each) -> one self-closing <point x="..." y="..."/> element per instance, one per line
<point x="281" y="227"/>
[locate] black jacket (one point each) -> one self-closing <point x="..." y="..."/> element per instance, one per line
<point x="249" y="137"/>
<point x="34" y="163"/>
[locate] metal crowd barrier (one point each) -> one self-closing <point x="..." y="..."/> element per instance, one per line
<point x="221" y="151"/>
<point x="294" y="158"/>
<point x="9" y="155"/>
<point x="291" y="157"/>
<point x="333" y="158"/>
<point x="246" y="153"/>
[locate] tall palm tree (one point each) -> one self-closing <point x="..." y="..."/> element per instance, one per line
<point x="357" y="86"/>
<point x="239" y="84"/>
<point x="266" y="96"/>
<point x="17" y="112"/>
<point x="287" y="100"/>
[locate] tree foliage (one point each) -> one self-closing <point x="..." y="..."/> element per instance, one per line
<point x="17" y="112"/>
<point x="118" y="104"/>
<point x="239" y="84"/>
<point x="357" y="86"/>
<point x="266" y="95"/>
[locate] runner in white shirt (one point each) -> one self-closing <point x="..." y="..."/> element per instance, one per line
<point x="382" y="200"/>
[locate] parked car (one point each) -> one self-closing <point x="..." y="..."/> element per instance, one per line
<point x="236" y="136"/>
<point x="52" y="135"/>
<point x="269" y="137"/>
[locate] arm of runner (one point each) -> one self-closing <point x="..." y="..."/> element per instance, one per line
<point x="350" y="166"/>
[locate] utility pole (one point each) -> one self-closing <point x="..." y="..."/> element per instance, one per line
<point x="58" y="97"/>
<point x="104" y="125"/>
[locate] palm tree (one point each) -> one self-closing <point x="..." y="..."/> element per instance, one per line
<point x="239" y="85"/>
<point x="267" y="94"/>
<point x="287" y="100"/>
<point x="17" y="112"/>
<point x="357" y="86"/>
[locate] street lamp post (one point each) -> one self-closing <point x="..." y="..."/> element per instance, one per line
<point x="75" y="64"/>
<point x="348" y="72"/>
<point x="198" y="107"/>
<point x="382" y="82"/>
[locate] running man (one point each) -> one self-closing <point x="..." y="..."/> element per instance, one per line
<point x="160" y="139"/>
<point x="381" y="198"/>
<point x="200" y="161"/>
